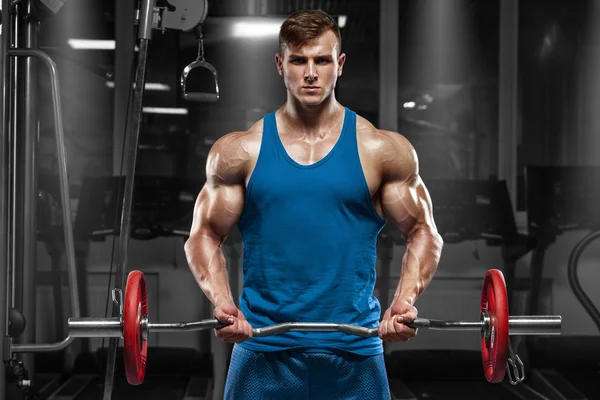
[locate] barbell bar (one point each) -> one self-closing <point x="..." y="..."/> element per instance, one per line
<point x="495" y="326"/>
<point x="113" y="327"/>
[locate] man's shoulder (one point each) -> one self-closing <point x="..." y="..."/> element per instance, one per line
<point x="232" y="154"/>
<point x="380" y="139"/>
<point x="232" y="142"/>
<point x="391" y="150"/>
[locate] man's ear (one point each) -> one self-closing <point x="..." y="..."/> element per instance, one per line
<point x="341" y="61"/>
<point x="279" y="63"/>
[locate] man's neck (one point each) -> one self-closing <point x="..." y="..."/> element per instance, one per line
<point x="313" y="119"/>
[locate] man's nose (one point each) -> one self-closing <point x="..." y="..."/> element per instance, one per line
<point x="311" y="72"/>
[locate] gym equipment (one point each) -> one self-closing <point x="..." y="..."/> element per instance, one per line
<point x="574" y="281"/>
<point x="148" y="18"/>
<point x="495" y="327"/>
<point x="562" y="199"/>
<point x="16" y="322"/>
<point x="150" y="15"/>
<point x="199" y="63"/>
<point x="183" y="15"/>
<point x="163" y="207"/>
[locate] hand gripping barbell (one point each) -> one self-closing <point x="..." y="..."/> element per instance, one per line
<point x="495" y="326"/>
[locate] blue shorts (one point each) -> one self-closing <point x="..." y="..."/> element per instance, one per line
<point x="291" y="375"/>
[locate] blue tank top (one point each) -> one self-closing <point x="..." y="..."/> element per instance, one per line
<point x="309" y="234"/>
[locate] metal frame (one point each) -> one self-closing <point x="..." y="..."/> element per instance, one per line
<point x="144" y="36"/>
<point x="64" y="186"/>
<point x="389" y="14"/>
<point x="508" y="96"/>
<point x="4" y="45"/>
<point x="28" y="183"/>
<point x="19" y="183"/>
<point x="9" y="222"/>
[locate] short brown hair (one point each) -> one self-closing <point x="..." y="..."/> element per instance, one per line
<point x="302" y="26"/>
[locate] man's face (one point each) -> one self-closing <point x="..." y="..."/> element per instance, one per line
<point x="311" y="71"/>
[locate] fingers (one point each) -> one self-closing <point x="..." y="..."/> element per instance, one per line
<point x="409" y="316"/>
<point x="223" y="316"/>
<point x="394" y="329"/>
<point x="237" y="331"/>
<point x="224" y="310"/>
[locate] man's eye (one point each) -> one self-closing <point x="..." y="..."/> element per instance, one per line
<point x="298" y="61"/>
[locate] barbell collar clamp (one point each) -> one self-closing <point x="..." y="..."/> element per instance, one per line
<point x="117" y="298"/>
<point x="485" y="325"/>
<point x="145" y="327"/>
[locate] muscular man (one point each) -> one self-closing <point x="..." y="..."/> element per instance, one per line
<point x="310" y="187"/>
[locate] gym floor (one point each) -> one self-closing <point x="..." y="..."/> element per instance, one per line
<point x="413" y="375"/>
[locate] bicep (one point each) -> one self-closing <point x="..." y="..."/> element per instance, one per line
<point x="404" y="198"/>
<point x="217" y="209"/>
<point x="407" y="204"/>
<point x="221" y="201"/>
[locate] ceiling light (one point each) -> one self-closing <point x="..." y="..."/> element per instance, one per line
<point x="160" y="87"/>
<point x="89" y="44"/>
<point x="165" y="110"/>
<point x="95" y="44"/>
<point x="259" y="28"/>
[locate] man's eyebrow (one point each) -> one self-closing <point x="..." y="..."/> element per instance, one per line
<point x="317" y="56"/>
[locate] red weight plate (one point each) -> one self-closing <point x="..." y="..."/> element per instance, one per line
<point x="134" y="346"/>
<point x="494" y="350"/>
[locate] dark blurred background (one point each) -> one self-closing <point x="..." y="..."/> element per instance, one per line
<point x="498" y="97"/>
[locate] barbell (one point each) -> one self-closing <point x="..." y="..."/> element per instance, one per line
<point x="495" y="326"/>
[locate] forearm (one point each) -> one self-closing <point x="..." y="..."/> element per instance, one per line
<point x="420" y="261"/>
<point x="207" y="263"/>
